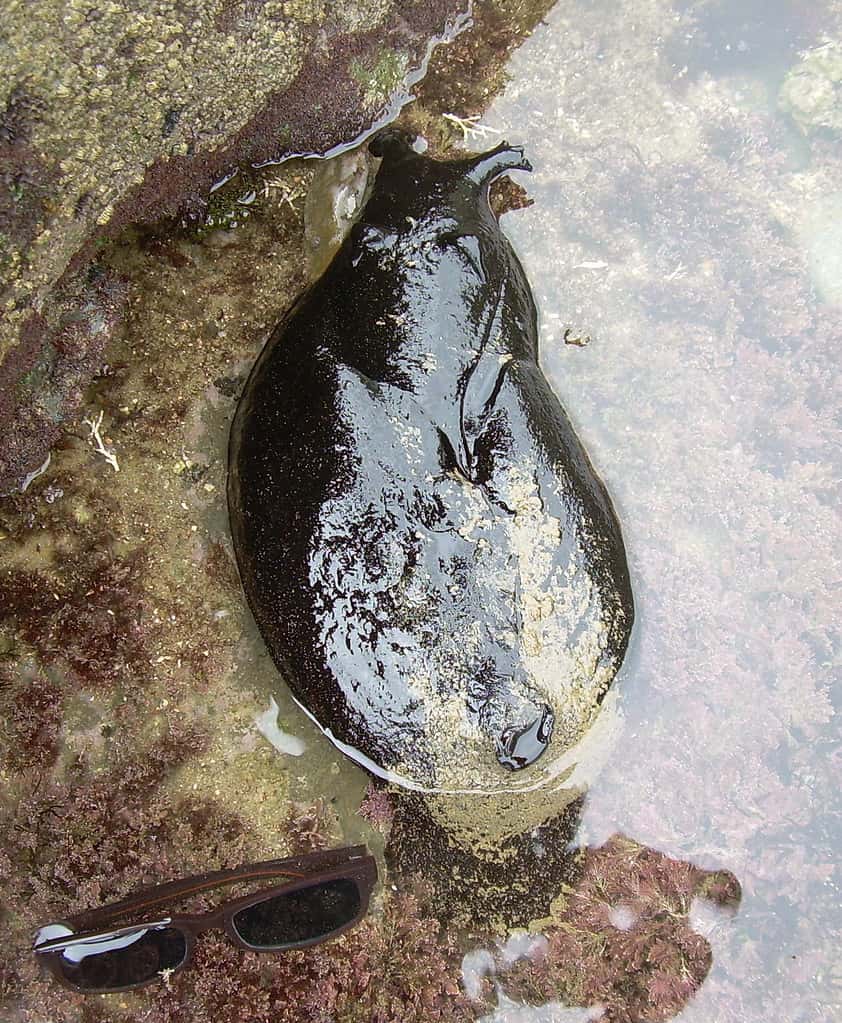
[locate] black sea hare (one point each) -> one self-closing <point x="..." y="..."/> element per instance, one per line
<point x="435" y="566"/>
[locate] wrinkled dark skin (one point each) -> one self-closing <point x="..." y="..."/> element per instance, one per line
<point x="398" y="396"/>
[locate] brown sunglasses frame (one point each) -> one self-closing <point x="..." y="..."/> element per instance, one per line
<point x="352" y="862"/>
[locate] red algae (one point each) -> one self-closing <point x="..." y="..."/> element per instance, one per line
<point x="31" y="720"/>
<point x="88" y="618"/>
<point x="622" y="937"/>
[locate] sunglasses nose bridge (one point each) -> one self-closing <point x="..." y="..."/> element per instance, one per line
<point x="231" y="932"/>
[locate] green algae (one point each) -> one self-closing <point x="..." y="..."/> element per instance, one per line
<point x="812" y="91"/>
<point x="379" y="77"/>
<point x="229" y="206"/>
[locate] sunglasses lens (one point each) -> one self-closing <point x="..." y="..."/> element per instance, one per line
<point x="120" y="961"/>
<point x="298" y="917"/>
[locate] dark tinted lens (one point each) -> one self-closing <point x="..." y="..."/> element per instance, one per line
<point x="299" y="916"/>
<point x="120" y="961"/>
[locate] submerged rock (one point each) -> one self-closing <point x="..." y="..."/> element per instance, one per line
<point x="812" y="91"/>
<point x="435" y="566"/>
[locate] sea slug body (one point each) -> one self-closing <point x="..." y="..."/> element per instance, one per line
<point x="435" y="566"/>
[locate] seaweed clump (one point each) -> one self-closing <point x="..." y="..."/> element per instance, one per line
<point x="89" y="617"/>
<point x="88" y="835"/>
<point x="622" y="937"/>
<point x="30" y="725"/>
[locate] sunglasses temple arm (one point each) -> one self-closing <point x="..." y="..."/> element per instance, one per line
<point x="297" y="866"/>
<point x="150" y="897"/>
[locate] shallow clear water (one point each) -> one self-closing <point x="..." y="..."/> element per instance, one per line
<point x="678" y="220"/>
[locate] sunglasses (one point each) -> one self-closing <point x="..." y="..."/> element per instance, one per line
<point x="326" y="893"/>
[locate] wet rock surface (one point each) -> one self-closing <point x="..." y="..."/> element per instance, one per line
<point x="121" y="113"/>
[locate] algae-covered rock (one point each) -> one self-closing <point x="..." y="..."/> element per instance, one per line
<point x="812" y="91"/>
<point x="121" y="111"/>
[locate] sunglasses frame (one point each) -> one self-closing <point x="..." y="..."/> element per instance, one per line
<point x="352" y="863"/>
